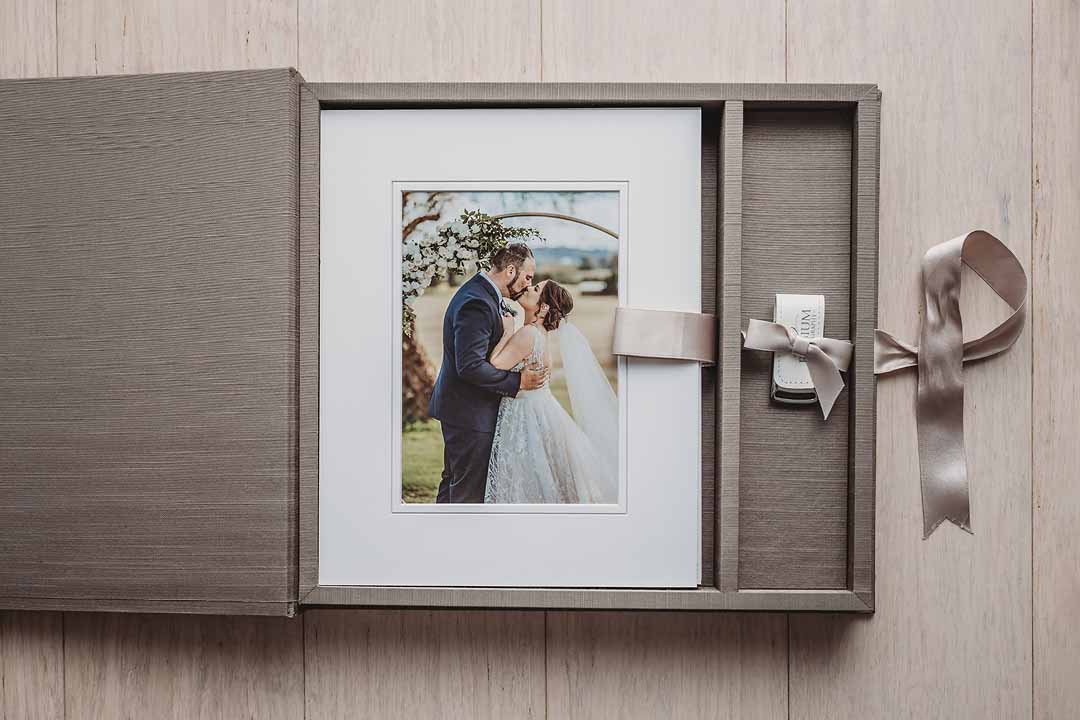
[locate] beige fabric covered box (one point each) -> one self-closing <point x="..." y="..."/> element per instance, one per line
<point x="159" y="342"/>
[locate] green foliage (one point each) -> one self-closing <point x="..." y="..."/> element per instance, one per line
<point x="473" y="238"/>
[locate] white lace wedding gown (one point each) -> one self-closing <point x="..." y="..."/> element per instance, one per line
<point x="541" y="455"/>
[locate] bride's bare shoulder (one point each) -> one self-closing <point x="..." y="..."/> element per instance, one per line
<point x="528" y="331"/>
<point x="523" y="336"/>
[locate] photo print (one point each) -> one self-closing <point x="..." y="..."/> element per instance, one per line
<point x="509" y="390"/>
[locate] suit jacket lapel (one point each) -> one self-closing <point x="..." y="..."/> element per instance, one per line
<point x="495" y="295"/>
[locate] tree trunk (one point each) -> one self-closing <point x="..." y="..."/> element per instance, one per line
<point x="417" y="380"/>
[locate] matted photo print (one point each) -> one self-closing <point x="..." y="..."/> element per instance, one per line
<point x="475" y="427"/>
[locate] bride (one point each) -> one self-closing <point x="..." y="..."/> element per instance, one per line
<point x="540" y="454"/>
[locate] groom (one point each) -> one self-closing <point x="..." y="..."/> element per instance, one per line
<point x="469" y="388"/>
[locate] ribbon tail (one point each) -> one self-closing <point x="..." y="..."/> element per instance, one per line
<point x="827" y="381"/>
<point x="935" y="513"/>
<point x="940" y="397"/>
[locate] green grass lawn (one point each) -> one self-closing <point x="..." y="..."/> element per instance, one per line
<point x="421" y="462"/>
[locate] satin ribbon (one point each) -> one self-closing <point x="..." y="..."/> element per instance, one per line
<point x="824" y="357"/>
<point x="940" y="356"/>
<point x="667" y="334"/>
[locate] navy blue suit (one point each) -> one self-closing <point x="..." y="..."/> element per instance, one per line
<point x="469" y="388"/>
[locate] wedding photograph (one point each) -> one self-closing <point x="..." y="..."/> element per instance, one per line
<point x="509" y="389"/>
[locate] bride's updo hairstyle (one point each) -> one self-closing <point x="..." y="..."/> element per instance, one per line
<point x="559" y="302"/>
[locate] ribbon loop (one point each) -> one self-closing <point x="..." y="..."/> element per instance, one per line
<point x="825" y="357"/>
<point x="939" y="358"/>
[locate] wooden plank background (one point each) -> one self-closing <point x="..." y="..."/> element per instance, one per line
<point x="980" y="128"/>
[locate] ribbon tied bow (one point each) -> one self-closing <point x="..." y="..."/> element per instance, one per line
<point x="825" y="357"/>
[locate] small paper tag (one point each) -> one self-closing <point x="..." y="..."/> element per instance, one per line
<point x="791" y="381"/>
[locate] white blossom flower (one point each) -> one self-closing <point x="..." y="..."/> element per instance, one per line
<point x="460" y="228"/>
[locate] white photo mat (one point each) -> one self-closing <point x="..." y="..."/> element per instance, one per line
<point x="652" y="538"/>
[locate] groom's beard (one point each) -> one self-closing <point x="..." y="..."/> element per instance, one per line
<point x="515" y="295"/>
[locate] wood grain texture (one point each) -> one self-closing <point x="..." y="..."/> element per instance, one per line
<point x="147" y="443"/>
<point x="653" y="665"/>
<point x="413" y="40"/>
<point x="642" y="40"/>
<point x="796" y="238"/>
<point x="414" y="664"/>
<point x="105" y="37"/>
<point x="27" y="38"/>
<point x="183" y="667"/>
<point x="951" y="636"/>
<point x="1055" y="315"/>
<point x="31" y="666"/>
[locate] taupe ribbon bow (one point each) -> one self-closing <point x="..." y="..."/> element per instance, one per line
<point x="824" y="357"/>
<point x="940" y="357"/>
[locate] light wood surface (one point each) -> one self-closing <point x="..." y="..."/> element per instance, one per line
<point x="105" y="37"/>
<point x="27" y="38"/>
<point x="644" y="40"/>
<point x="1055" y="387"/>
<point x="657" y="665"/>
<point x="31" y="665"/>
<point x="419" y="40"/>
<point x="952" y="635"/>
<point x="421" y="664"/>
<point x="182" y="667"/>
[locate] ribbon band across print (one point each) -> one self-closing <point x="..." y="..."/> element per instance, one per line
<point x="940" y="356"/>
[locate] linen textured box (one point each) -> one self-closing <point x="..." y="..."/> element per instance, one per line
<point x="159" y="342"/>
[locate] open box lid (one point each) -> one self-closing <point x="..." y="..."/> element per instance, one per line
<point x="148" y="275"/>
